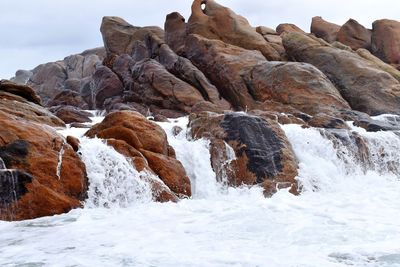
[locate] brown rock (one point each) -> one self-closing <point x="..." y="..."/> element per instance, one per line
<point x="106" y="85"/>
<point x="170" y="171"/>
<point x="119" y="36"/>
<point x="365" y="87"/>
<point x="68" y="98"/>
<point x="287" y="28"/>
<point x="263" y="153"/>
<point x="325" y="30"/>
<point x="246" y="79"/>
<point x="265" y="30"/>
<point x="140" y="134"/>
<point x="175" y="32"/>
<point x="221" y="23"/>
<point x="70" y="114"/>
<point x="46" y="185"/>
<point x="73" y="142"/>
<point x="20" y="90"/>
<point x="386" y="40"/>
<point x="355" y="35"/>
<point x="327" y="121"/>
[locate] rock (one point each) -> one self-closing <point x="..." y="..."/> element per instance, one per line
<point x="20" y="107"/>
<point x="73" y="142"/>
<point x="325" y="30"/>
<point x="247" y="80"/>
<point x="73" y="73"/>
<point x="221" y="23"/>
<point x="175" y="32"/>
<point x="45" y="185"/>
<point x="262" y="153"/>
<point x="20" y="90"/>
<point x="379" y="63"/>
<point x="265" y="30"/>
<point x="372" y="125"/>
<point x="159" y="87"/>
<point x="327" y="121"/>
<point x="365" y="87"/>
<point x="150" y="140"/>
<point x="224" y="65"/>
<point x="68" y="98"/>
<point x="106" y="84"/>
<point x="386" y="40"/>
<point x="355" y="35"/>
<point x="22" y="76"/>
<point x="70" y="114"/>
<point x="287" y="28"/>
<point x="119" y="36"/>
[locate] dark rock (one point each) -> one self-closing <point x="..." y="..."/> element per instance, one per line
<point x="175" y="32"/>
<point x="70" y="114"/>
<point x="20" y="90"/>
<point x="68" y="98"/>
<point x="106" y="84"/>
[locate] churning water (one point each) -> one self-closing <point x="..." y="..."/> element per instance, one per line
<point x="347" y="215"/>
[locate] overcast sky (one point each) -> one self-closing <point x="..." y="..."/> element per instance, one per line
<point x="39" y="31"/>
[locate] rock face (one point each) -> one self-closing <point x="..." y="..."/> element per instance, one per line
<point x="175" y="32"/>
<point x="287" y="28"/>
<point x="262" y="153"/>
<point x="119" y="36"/>
<point x="221" y="23"/>
<point x="73" y="73"/>
<point x="325" y="30"/>
<point x="44" y="171"/>
<point x="355" y="35"/>
<point x="150" y="142"/>
<point x="365" y="87"/>
<point x="247" y="80"/>
<point x="386" y="40"/>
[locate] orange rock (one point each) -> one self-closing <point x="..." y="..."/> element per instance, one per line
<point x="325" y="30"/>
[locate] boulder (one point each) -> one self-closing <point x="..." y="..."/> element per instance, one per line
<point x="364" y="86"/>
<point x="386" y="40"/>
<point x="68" y="98"/>
<point x="379" y="63"/>
<point x="175" y="32"/>
<point x="262" y="155"/>
<point x="247" y="80"/>
<point x="44" y="185"/>
<point x="149" y="147"/>
<point x="70" y="114"/>
<point x="355" y="35"/>
<point x="23" y="91"/>
<point x="266" y="31"/>
<point x="119" y="36"/>
<point x="218" y="22"/>
<point x="324" y="29"/>
<point x="106" y="84"/>
<point x="284" y="28"/>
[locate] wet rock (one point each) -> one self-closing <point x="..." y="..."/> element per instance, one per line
<point x="150" y="140"/>
<point x="364" y="86"/>
<point x="73" y="142"/>
<point x="221" y="23"/>
<point x="70" y="114"/>
<point x="49" y="186"/>
<point x="372" y="125"/>
<point x="262" y="153"/>
<point x="386" y="40"/>
<point x="119" y="36"/>
<point x="327" y="121"/>
<point x="324" y="29"/>
<point x="355" y="35"/>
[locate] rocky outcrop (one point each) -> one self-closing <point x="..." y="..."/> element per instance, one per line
<point x="71" y="114"/>
<point x="324" y="29"/>
<point x="361" y="83"/>
<point x="247" y="150"/>
<point x="218" y="22"/>
<point x="284" y="28"/>
<point x="42" y="175"/>
<point x="247" y="80"/>
<point x="355" y="35"/>
<point x="386" y="40"/>
<point x="151" y="147"/>
<point x="119" y="36"/>
<point x="73" y="73"/>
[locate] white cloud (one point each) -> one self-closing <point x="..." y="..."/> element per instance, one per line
<point x="35" y="32"/>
